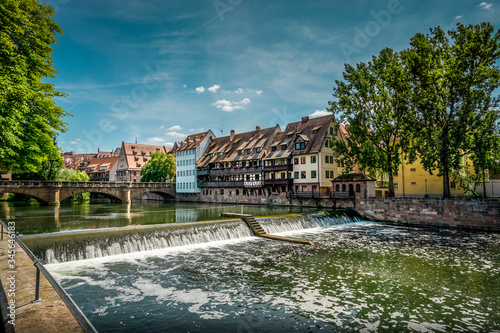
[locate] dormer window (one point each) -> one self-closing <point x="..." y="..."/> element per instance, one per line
<point x="211" y="155"/>
<point x="300" y="145"/>
<point x="315" y="131"/>
<point x="273" y="148"/>
<point x="240" y="152"/>
<point x="219" y="154"/>
<point x="283" y="147"/>
<point x="258" y="150"/>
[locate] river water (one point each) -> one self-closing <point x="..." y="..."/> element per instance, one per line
<point x="361" y="277"/>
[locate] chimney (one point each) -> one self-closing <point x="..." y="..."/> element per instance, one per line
<point x="305" y="119"/>
<point x="231" y="135"/>
<point x="257" y="128"/>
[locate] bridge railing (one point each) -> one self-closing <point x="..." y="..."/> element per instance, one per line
<point x="43" y="183"/>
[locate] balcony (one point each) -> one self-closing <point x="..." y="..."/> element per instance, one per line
<point x="216" y="184"/>
<point x="283" y="167"/>
<point x="278" y="181"/>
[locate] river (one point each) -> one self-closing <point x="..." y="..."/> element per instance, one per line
<point x="361" y="277"/>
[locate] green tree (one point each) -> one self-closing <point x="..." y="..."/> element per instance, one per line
<point x="75" y="176"/>
<point x="160" y="168"/>
<point x="72" y="175"/>
<point x="29" y="118"/>
<point x="373" y="100"/>
<point x="454" y="79"/>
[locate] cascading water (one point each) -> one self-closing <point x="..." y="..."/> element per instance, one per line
<point x="285" y="224"/>
<point x="65" y="247"/>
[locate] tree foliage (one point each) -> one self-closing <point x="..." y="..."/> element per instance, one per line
<point x="454" y="77"/>
<point x="29" y="118"/>
<point x="160" y="168"/>
<point x="373" y="100"/>
<point x="435" y="101"/>
<point x="72" y="175"/>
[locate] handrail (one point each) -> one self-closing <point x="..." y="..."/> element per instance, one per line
<point x="80" y="317"/>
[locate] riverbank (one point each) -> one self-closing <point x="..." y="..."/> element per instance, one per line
<point x="459" y="212"/>
<point x="19" y="282"/>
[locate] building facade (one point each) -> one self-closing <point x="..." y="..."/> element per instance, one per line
<point x="301" y="159"/>
<point x="132" y="157"/>
<point x="231" y="166"/>
<point x="102" y="169"/>
<point x="187" y="153"/>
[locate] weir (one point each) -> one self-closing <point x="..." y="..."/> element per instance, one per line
<point x="258" y="231"/>
<point x="81" y="245"/>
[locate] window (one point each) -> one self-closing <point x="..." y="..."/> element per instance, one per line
<point x="300" y="145"/>
<point x="327" y="159"/>
<point x="315" y="188"/>
<point x="343" y="187"/>
<point x="296" y="175"/>
<point x="331" y="174"/>
<point x="331" y="159"/>
<point x="453" y="185"/>
<point x="358" y="188"/>
<point x="296" y="160"/>
<point x="414" y="183"/>
<point x="337" y="187"/>
<point x="237" y="191"/>
<point x="313" y="173"/>
<point x="413" y="169"/>
<point x="302" y="175"/>
<point x="258" y="149"/>
<point x="211" y="155"/>
<point x="396" y="186"/>
<point x="257" y="177"/>
<point x="315" y="131"/>
<point x="221" y="191"/>
<point x="331" y="130"/>
<point x="327" y="143"/>
<point x="304" y="188"/>
<point x="303" y="160"/>
<point x="273" y="148"/>
<point x="289" y="136"/>
<point x="283" y="147"/>
<point x="327" y="174"/>
<point x="313" y="159"/>
<point x="219" y="154"/>
<point x="240" y="152"/>
<point x="283" y="175"/>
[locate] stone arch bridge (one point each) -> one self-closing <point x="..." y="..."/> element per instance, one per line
<point x="52" y="193"/>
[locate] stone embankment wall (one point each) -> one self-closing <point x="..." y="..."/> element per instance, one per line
<point x="481" y="214"/>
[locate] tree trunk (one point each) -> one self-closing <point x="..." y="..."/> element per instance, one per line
<point x="391" y="177"/>
<point x="446" y="183"/>
<point x="484" y="186"/>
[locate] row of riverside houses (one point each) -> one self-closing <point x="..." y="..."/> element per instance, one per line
<point x="253" y="167"/>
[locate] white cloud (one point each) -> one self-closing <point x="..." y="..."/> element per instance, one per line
<point x="77" y="140"/>
<point x="184" y="85"/>
<point x="155" y="139"/>
<point x="168" y="144"/>
<point x="176" y="134"/>
<point x="485" y="5"/>
<point x="73" y="143"/>
<point x="228" y="106"/>
<point x="174" y="128"/>
<point x="458" y="17"/>
<point x="214" y="88"/>
<point x="319" y="113"/>
<point x="258" y="92"/>
<point x="239" y="91"/>
<point x="161" y="127"/>
<point x="199" y="90"/>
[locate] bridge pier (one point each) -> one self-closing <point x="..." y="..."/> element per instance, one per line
<point x="55" y="198"/>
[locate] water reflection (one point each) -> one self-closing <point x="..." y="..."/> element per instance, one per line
<point x="47" y="219"/>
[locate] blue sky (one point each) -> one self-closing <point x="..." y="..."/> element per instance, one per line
<point x="159" y="70"/>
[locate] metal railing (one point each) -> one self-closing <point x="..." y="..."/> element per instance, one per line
<point x="82" y="320"/>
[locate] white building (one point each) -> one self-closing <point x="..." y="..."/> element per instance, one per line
<point x="187" y="152"/>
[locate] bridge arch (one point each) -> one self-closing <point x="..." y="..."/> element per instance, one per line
<point x="63" y="195"/>
<point x="137" y="193"/>
<point x="40" y="198"/>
